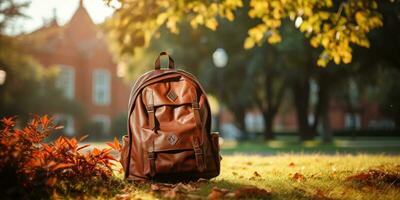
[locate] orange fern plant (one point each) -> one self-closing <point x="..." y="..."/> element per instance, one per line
<point x="27" y="163"/>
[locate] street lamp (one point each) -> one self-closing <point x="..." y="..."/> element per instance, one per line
<point x="220" y="59"/>
<point x="3" y="75"/>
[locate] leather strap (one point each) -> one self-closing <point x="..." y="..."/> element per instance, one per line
<point x="150" y="110"/>
<point x="152" y="160"/>
<point x="199" y="155"/>
<point x="171" y="63"/>
<point x="196" y="110"/>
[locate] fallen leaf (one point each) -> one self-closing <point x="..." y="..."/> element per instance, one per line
<point x="248" y="163"/>
<point x="298" y="177"/>
<point x="154" y="187"/>
<point x="320" y="195"/>
<point x="234" y="173"/>
<point x="184" y="187"/>
<point x="255" y="176"/>
<point x="217" y="193"/>
<point x="291" y="164"/>
<point x="252" y="192"/>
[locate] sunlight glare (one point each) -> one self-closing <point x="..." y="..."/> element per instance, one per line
<point x="298" y="22"/>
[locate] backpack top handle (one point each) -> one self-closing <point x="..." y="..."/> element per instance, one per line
<point x="171" y="63"/>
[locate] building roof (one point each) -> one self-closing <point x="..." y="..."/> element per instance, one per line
<point x="80" y="33"/>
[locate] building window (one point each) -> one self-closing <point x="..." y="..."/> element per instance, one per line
<point x="101" y="87"/>
<point x="67" y="121"/>
<point x="352" y="121"/>
<point x="103" y="122"/>
<point x="66" y="81"/>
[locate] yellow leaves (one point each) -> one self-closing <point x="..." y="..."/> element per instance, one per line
<point x="347" y="57"/>
<point x="258" y="8"/>
<point x="324" y="15"/>
<point x="322" y="62"/>
<point x="256" y="34"/>
<point x="161" y="18"/>
<point x="367" y="20"/>
<point x="249" y="43"/>
<point x="325" y="42"/>
<point x="172" y="23"/>
<point x="211" y="24"/>
<point x="314" y="41"/>
<point x="229" y="15"/>
<point x="326" y="28"/>
<point x="274" y="38"/>
<point x="360" y="18"/>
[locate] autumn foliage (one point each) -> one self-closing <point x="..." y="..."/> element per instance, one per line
<point x="28" y="163"/>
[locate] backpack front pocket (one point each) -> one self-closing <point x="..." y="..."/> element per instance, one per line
<point x="175" y="161"/>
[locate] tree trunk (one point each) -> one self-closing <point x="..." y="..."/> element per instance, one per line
<point x="322" y="108"/>
<point x="269" y="133"/>
<point x="301" y="91"/>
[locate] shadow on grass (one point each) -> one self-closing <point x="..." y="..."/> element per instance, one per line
<point x="295" y="193"/>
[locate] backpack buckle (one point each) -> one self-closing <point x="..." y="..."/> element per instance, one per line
<point x="195" y="105"/>
<point x="150" y="108"/>
<point x="199" y="155"/>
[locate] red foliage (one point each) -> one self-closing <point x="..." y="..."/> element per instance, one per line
<point x="29" y="162"/>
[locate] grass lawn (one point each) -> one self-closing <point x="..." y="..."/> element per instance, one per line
<point x="286" y="169"/>
<point x="291" y="176"/>
<point x="370" y="145"/>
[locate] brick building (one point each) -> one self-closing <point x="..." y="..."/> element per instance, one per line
<point x="88" y="73"/>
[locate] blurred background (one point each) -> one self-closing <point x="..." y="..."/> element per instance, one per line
<point x="72" y="60"/>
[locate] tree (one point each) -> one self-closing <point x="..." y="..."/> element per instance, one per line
<point x="329" y="26"/>
<point x="332" y="28"/>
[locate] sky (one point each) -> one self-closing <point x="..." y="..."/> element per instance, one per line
<point x="42" y="10"/>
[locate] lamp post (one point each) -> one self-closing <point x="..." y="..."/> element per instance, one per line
<point x="3" y="75"/>
<point x="220" y="59"/>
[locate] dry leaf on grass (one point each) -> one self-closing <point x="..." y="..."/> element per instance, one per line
<point x="173" y="191"/>
<point x="185" y="187"/>
<point x="242" y="192"/>
<point x="291" y="164"/>
<point x="234" y="173"/>
<point x="217" y="193"/>
<point x="320" y="195"/>
<point x="255" y="176"/>
<point x="155" y="187"/>
<point x="375" y="177"/>
<point x="298" y="177"/>
<point x="248" y="163"/>
<point x="252" y="192"/>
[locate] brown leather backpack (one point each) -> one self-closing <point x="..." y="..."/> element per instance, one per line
<point x="169" y="122"/>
